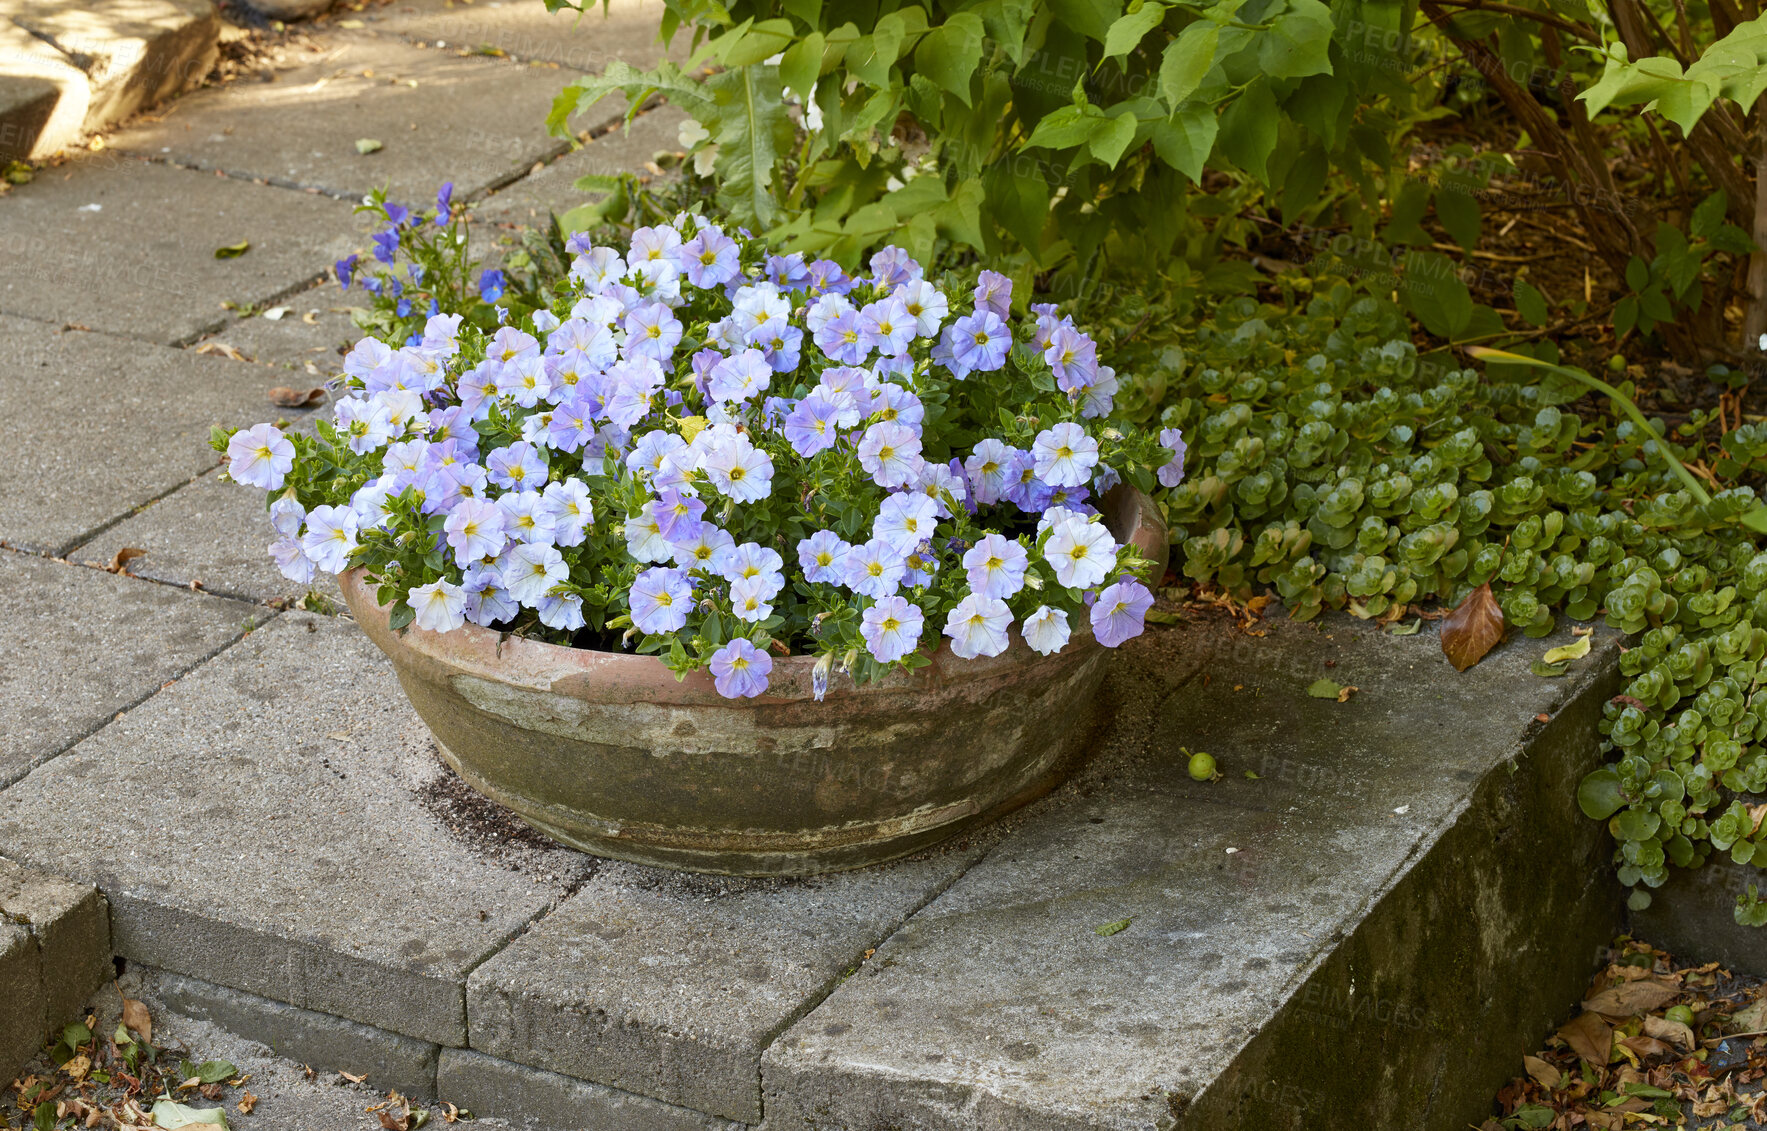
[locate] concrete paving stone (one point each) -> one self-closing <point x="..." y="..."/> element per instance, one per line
<point x="62" y="481"/>
<point x="272" y="840"/>
<point x="531" y="201"/>
<point x="211" y="532"/>
<point x="526" y="30"/>
<point x="21" y="999"/>
<point x="133" y="52"/>
<point x="1285" y="940"/>
<point x="82" y="644"/>
<point x="670" y="985"/>
<point x="71" y="925"/>
<point x="43" y="96"/>
<point x="292" y="342"/>
<point x="318" y="1040"/>
<point x="440" y="115"/>
<point x="546" y="1101"/>
<point x="114" y="243"/>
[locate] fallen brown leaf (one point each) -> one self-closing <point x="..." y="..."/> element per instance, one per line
<point x="1345" y="692"/>
<point x="1750" y="1019"/>
<point x="1673" y="1032"/>
<point x="284" y="397"/>
<point x="136" y="1017"/>
<point x="120" y="560"/>
<point x="351" y="1077"/>
<point x="1649" y="1047"/>
<point x="221" y="349"/>
<point x="391" y="1122"/>
<point x="78" y="1067"/>
<point x="1589" y="1037"/>
<point x="1472" y="629"/>
<point x="1541" y="1072"/>
<point x="1631" y="998"/>
<point x="246" y="1103"/>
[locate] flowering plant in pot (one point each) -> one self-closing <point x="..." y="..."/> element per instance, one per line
<point x="676" y="561"/>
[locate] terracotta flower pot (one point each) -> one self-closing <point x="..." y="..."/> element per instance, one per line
<point x="611" y="754"/>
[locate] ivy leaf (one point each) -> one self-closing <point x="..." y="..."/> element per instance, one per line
<point x="1472" y="629"/>
<point x="1128" y="31"/>
<point x="1111" y="136"/>
<point x="1187" y="62"/>
<point x="1091" y="18"/>
<point x="1296" y="44"/>
<point x="951" y="52"/>
<point x="802" y="64"/>
<point x="1530" y="303"/>
<point x="1185" y="140"/>
<point x="1248" y="129"/>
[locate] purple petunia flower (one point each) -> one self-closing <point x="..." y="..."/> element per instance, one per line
<point x="740" y="670"/>
<point x="892" y="628"/>
<point x="1120" y="611"/>
<point x="660" y="599"/>
<point x="811" y="426"/>
<point x="823" y="557"/>
<point x="980" y="341"/>
<point x="1171" y="474"/>
<point x="994" y="292"/>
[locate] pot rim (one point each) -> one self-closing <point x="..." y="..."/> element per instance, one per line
<point x="518" y="660"/>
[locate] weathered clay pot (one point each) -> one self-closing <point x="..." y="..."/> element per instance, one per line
<point x="612" y="754"/>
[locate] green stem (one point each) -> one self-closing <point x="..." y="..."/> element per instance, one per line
<point x="1485" y="353"/>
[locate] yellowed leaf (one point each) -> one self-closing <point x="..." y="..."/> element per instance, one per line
<point x="78" y="1067"/>
<point x="136" y="1017"/>
<point x="1632" y="998"/>
<point x="1541" y="1072"/>
<point x="1575" y="650"/>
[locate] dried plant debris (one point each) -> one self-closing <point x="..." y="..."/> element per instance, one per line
<point x="1656" y="1045"/>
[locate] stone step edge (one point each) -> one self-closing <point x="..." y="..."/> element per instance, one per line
<point x="482" y="1084"/>
<point x="54" y="952"/>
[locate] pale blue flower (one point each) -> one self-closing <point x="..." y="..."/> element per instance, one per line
<point x="1064" y="455"/>
<point x="570" y="510"/>
<point x="331" y="537"/>
<point x="977" y="626"/>
<point x="886" y="326"/>
<point x="1172" y="473"/>
<point x="260" y="456"/>
<point x="893" y="266"/>
<point x="652" y="331"/>
<point x="740" y="470"/>
<point x="980" y="341"/>
<point x="926" y="304"/>
<point x="987" y="468"/>
<point x="292" y="560"/>
<point x="660" y="600"/>
<point x="1119" y="612"/>
<point x="891" y="628"/>
<point x="1046" y="630"/>
<point x="841" y="340"/>
<point x="740" y="670"/>
<point x="890" y="453"/>
<point x="532" y="570"/>
<point x="644" y="535"/>
<point x="440" y="605"/>
<point x="875" y="568"/>
<point x="1082" y="553"/>
<point x="562" y="611"/>
<point x="994" y="292"/>
<point x="748" y="599"/>
<point x="711" y="259"/>
<point x="1072" y="357"/>
<point x="995" y="566"/>
<point x="905" y="520"/>
<point x="897" y="405"/>
<point x="525" y="516"/>
<point x="366" y="424"/>
<point x="810" y="428"/>
<point x="518" y="466"/>
<point x="475" y="529"/>
<point x="739" y="378"/>
<point x="487" y="600"/>
<point x="510" y="345"/>
<point x="754" y="561"/>
<point x="287" y="514"/>
<point x="709" y="550"/>
<point x="823" y="558"/>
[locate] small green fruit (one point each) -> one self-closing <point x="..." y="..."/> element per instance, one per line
<point x="1202" y="766"/>
<point x="1617" y="363"/>
<point x="1679" y="1013"/>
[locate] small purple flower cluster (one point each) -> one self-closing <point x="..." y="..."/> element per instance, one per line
<point x="646" y="457"/>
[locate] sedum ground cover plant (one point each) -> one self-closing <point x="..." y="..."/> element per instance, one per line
<point x="694" y="449"/>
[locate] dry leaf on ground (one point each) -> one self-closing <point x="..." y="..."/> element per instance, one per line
<point x="1674" y="1032"/>
<point x="221" y="349"/>
<point x="136" y="1017"/>
<point x="1630" y="998"/>
<point x="1541" y="1072"/>
<point x="1472" y="629"/>
<point x="120" y="560"/>
<point x="1589" y="1037"/>
<point x="284" y="397"/>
